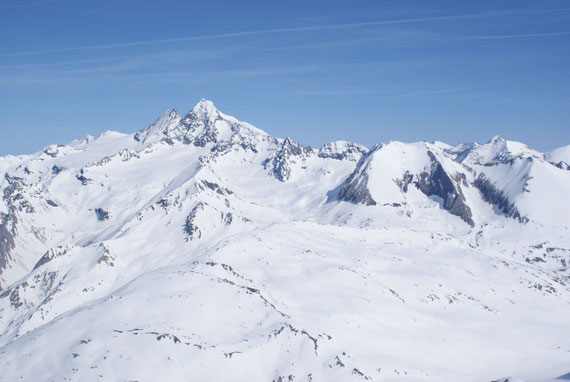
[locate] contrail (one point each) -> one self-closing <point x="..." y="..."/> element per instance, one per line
<point x="22" y="4"/>
<point x="516" y="36"/>
<point x="281" y="30"/>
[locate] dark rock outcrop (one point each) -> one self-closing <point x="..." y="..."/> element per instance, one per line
<point x="83" y="179"/>
<point x="437" y="182"/>
<point x="491" y="194"/>
<point x="201" y="118"/>
<point x="52" y="254"/>
<point x="342" y="151"/>
<point x="51" y="203"/>
<point x="355" y="190"/>
<point x="102" y="214"/>
<point x="216" y="188"/>
<point x="405" y="181"/>
<point x="289" y="151"/>
<point x="561" y="165"/>
<point x="15" y="203"/>
<point x="53" y="150"/>
<point x="190" y="228"/>
<point x="7" y="234"/>
<point x="56" y="170"/>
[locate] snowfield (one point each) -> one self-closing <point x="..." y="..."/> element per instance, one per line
<point x="203" y="249"/>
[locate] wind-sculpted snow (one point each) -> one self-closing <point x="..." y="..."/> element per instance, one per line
<point x="201" y="248"/>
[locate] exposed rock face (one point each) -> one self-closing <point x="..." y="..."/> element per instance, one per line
<point x="53" y="150"/>
<point x="7" y="233"/>
<point x="439" y="183"/>
<point x="14" y="195"/>
<point x="342" y="150"/>
<point x="14" y="201"/>
<point x="82" y="178"/>
<point x="216" y="187"/>
<point x="106" y="257"/>
<point x="433" y="181"/>
<point x="198" y="127"/>
<point x="355" y="190"/>
<point x="52" y="254"/>
<point x="491" y="194"/>
<point x="288" y="153"/>
<point x="16" y="204"/>
<point x="243" y="139"/>
<point x="405" y="181"/>
<point x="56" y="170"/>
<point x="102" y="214"/>
<point x="159" y="129"/>
<point x="200" y="124"/>
<point x="23" y="294"/>
<point x="561" y="165"/>
<point x="190" y="228"/>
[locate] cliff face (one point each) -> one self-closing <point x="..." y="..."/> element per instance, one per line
<point x="437" y="182"/>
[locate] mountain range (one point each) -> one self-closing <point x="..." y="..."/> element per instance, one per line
<point x="202" y="248"/>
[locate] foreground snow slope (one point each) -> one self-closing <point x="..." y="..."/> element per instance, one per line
<point x="201" y="248"/>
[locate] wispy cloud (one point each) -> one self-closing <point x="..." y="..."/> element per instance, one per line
<point x="429" y="93"/>
<point x="58" y="64"/>
<point x="378" y="36"/>
<point x="161" y="58"/>
<point x="136" y="71"/>
<point x="285" y="30"/>
<point x="384" y="92"/>
<point x="194" y="76"/>
<point x="516" y="36"/>
<point x="338" y="92"/>
<point x="25" y="4"/>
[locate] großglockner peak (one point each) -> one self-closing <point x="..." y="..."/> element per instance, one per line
<point x="204" y="248"/>
<point x="202" y="125"/>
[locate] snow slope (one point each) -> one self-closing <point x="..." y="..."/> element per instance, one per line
<point x="202" y="248"/>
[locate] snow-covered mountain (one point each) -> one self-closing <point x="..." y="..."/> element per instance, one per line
<point x="203" y="249"/>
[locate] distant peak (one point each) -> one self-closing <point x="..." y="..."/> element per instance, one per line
<point x="155" y="131"/>
<point x="290" y="142"/>
<point x="342" y="150"/>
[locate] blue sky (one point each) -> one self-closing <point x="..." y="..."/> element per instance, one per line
<point x="366" y="71"/>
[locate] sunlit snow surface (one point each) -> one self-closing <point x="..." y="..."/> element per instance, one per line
<point x="203" y="249"/>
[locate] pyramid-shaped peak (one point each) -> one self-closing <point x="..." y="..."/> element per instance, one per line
<point x="167" y="116"/>
<point x="290" y="142"/>
<point x="167" y="120"/>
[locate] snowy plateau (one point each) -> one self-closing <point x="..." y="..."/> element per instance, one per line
<point x="203" y="249"/>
